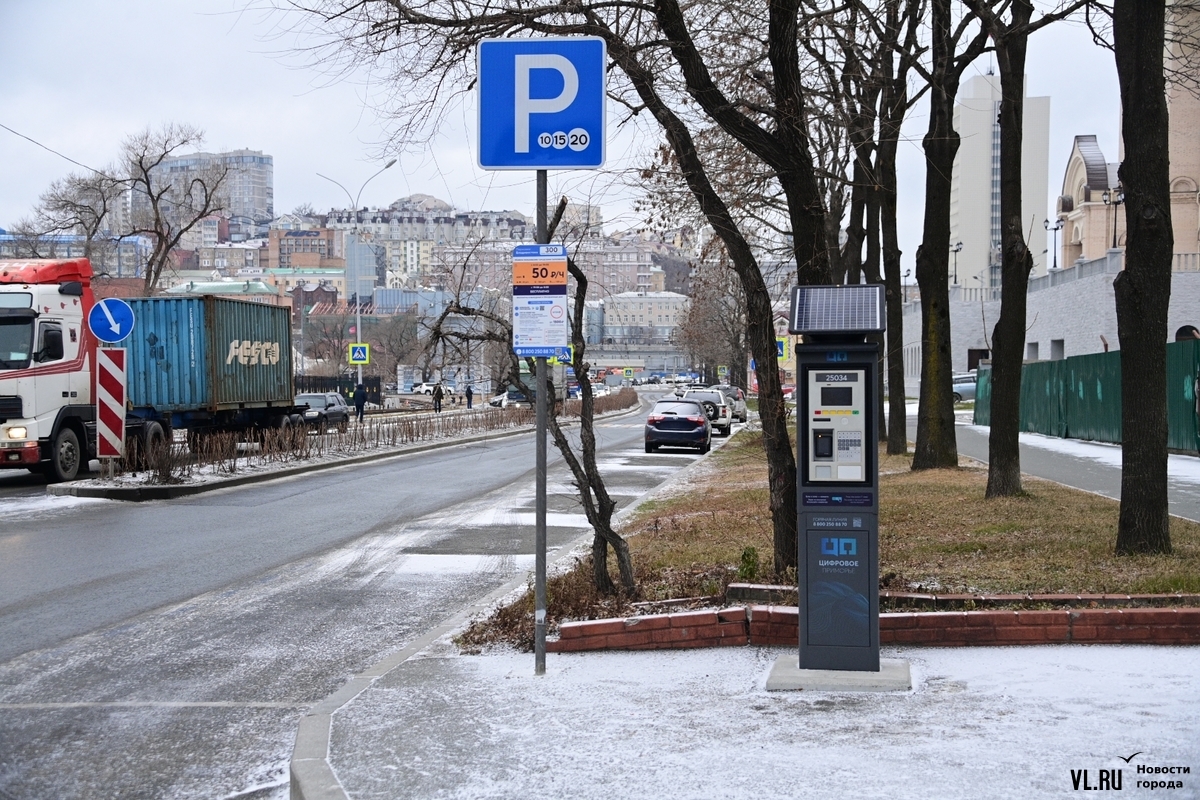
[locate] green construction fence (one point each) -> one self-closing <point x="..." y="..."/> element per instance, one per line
<point x="1080" y="397"/>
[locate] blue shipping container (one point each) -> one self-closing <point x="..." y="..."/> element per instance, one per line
<point x="209" y="353"/>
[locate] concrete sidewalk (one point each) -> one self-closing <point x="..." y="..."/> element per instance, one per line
<point x="980" y="723"/>
<point x="988" y="722"/>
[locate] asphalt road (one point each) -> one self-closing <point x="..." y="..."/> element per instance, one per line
<point x="1093" y="467"/>
<point x="167" y="650"/>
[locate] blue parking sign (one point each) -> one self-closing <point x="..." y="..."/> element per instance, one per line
<point x="542" y="103"/>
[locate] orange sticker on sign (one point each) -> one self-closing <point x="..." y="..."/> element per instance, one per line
<point x="539" y="272"/>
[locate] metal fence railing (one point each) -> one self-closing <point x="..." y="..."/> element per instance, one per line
<point x="1080" y="397"/>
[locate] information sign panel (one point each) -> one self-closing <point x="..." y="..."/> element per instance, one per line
<point x="540" y="301"/>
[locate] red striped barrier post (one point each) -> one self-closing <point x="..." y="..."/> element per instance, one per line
<point x="110" y="404"/>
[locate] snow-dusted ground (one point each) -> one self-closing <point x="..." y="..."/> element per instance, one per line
<point x="979" y="723"/>
<point x="1184" y="468"/>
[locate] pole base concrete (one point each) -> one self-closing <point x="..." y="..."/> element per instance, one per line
<point x="786" y="676"/>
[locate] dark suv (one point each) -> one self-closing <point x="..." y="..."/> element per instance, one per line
<point x="325" y="410"/>
<point x="678" y="422"/>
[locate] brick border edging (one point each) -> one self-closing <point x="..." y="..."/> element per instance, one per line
<point x="779" y="625"/>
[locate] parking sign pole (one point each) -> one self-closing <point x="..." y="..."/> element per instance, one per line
<point x="522" y="129"/>
<point x="539" y="581"/>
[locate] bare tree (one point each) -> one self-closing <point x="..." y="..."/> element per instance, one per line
<point x="936" y="446"/>
<point x="165" y="206"/>
<point x="598" y="505"/>
<point x="395" y="340"/>
<point x="1009" y="23"/>
<point x="82" y="205"/>
<point x="1143" y="289"/>
<point x="713" y="330"/>
<point x="329" y="335"/>
<point x="899" y="51"/>
<point x="31" y="241"/>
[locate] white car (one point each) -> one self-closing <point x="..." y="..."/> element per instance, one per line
<point x="427" y="388"/>
<point x="716" y="408"/>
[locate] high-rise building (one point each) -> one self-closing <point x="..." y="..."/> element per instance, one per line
<point x="975" y="185"/>
<point x="248" y="189"/>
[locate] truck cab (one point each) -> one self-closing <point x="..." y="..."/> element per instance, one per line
<point x="46" y="353"/>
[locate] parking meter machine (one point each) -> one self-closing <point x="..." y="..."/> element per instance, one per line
<point x="837" y="474"/>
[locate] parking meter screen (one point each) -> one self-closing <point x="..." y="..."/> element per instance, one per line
<point x="837" y="396"/>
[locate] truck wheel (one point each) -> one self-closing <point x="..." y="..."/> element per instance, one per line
<point x="154" y="435"/>
<point x="65" y="457"/>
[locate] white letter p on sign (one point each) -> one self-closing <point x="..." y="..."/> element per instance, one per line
<point x="523" y="105"/>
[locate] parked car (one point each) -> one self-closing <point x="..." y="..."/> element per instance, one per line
<point x="716" y="408"/>
<point x="427" y="388"/>
<point x="736" y="398"/>
<point x="325" y="410"/>
<point x="678" y="422"/>
<point x="510" y="399"/>
<point x="964" y="387"/>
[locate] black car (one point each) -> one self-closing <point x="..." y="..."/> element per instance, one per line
<point x="678" y="422"/>
<point x="325" y="410"/>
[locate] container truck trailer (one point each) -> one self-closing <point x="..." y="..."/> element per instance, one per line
<point x="204" y="364"/>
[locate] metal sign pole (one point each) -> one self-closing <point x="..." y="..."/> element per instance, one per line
<point x="539" y="584"/>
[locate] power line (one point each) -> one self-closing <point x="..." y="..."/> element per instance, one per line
<point x="55" y="152"/>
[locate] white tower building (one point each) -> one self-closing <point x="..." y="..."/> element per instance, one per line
<point x="975" y="186"/>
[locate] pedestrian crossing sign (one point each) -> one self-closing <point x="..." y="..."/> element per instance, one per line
<point x="568" y="358"/>
<point x="360" y="353"/>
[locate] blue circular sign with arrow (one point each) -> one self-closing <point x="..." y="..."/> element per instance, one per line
<point x="111" y="320"/>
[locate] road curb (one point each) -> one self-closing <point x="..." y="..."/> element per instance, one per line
<point x="311" y="775"/>
<point x="141" y="494"/>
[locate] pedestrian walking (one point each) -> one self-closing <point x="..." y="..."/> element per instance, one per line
<point x="437" y="397"/>
<point x="470" y="393"/>
<point x="360" y="401"/>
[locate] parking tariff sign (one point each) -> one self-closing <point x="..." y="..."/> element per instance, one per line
<point x="540" y="301"/>
<point x="542" y="103"/>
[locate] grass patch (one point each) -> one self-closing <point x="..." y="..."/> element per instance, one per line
<point x="937" y="533"/>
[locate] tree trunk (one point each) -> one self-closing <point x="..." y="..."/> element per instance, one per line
<point x="760" y="332"/>
<point x="897" y="433"/>
<point x="856" y="231"/>
<point x="872" y="275"/>
<point x="1143" y="290"/>
<point x="1008" y="337"/>
<point x="936" y="445"/>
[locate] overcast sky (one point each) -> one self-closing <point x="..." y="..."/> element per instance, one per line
<point x="79" y="76"/>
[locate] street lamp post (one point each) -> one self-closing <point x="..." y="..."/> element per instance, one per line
<point x="1114" y="198"/>
<point x="357" y="278"/>
<point x="955" y="248"/>
<point x="907" y="272"/>
<point x="1056" y="227"/>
